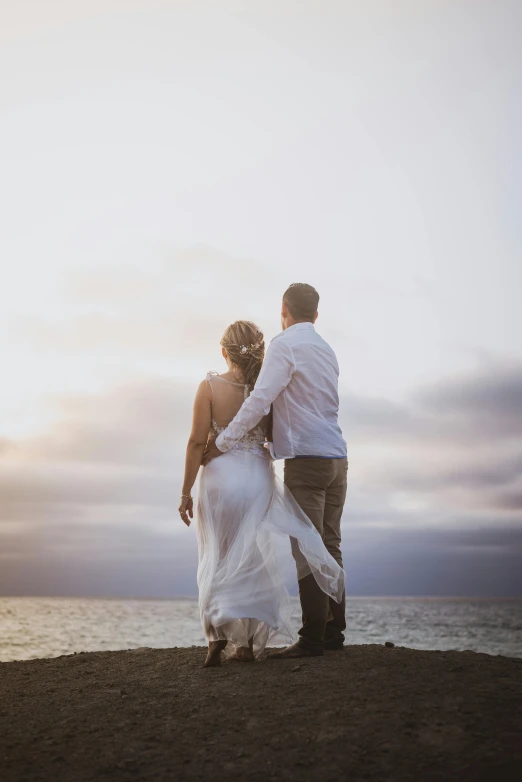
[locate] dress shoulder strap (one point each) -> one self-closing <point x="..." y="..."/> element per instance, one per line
<point x="209" y="378"/>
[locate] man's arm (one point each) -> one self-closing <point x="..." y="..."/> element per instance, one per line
<point x="276" y="372"/>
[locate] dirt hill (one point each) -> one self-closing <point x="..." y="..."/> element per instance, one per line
<point x="365" y="713"/>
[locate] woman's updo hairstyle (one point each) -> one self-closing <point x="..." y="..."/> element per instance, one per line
<point x="245" y="346"/>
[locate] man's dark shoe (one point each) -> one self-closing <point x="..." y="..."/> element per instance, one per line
<point x="294" y="651"/>
<point x="334" y="644"/>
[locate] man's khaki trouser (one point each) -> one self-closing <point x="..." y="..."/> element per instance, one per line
<point x="319" y="487"/>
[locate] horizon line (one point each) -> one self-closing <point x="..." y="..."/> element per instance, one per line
<point x="195" y="598"/>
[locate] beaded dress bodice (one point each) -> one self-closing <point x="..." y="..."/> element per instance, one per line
<point x="227" y="398"/>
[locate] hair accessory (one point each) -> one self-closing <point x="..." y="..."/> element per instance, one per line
<point x="244" y="349"/>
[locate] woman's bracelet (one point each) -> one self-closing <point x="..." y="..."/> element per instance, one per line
<point x="186" y="496"/>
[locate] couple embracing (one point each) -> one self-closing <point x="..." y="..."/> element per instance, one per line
<point x="280" y="406"/>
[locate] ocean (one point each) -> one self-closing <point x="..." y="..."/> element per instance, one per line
<point x="32" y="627"/>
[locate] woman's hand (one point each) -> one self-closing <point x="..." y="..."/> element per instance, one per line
<point x="186" y="509"/>
<point x="210" y="452"/>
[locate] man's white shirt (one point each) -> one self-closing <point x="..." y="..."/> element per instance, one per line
<point x="300" y="377"/>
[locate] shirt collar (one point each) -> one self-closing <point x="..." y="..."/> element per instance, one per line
<point x="297" y="326"/>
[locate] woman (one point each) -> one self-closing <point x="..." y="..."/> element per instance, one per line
<point x="245" y="517"/>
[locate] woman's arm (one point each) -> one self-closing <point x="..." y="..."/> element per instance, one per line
<point x="201" y="421"/>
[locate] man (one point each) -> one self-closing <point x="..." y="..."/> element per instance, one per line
<point x="299" y="379"/>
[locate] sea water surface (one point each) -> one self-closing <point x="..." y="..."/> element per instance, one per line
<point x="33" y="627"/>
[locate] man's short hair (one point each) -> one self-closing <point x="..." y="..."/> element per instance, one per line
<point x="302" y="301"/>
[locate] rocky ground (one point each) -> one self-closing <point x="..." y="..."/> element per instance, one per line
<point x="365" y="713"/>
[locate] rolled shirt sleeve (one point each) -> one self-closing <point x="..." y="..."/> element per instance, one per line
<point x="276" y="372"/>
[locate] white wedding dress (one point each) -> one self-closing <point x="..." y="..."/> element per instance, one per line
<point x="245" y="520"/>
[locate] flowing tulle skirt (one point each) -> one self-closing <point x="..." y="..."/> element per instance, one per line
<point x="245" y="522"/>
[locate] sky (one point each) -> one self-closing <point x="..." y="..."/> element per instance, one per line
<point x="170" y="167"/>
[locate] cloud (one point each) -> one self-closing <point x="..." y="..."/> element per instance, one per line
<point x="114" y="458"/>
<point x="475" y="477"/>
<point x="487" y="403"/>
<point x="452" y="450"/>
<point x="138" y="423"/>
<point x="64" y="485"/>
<point x="460" y="560"/>
<point x="99" y="560"/>
<point x="102" y="486"/>
<point x="469" y="409"/>
<point x="492" y="391"/>
<point x="511" y="500"/>
<point x="139" y="561"/>
<point x="171" y="307"/>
